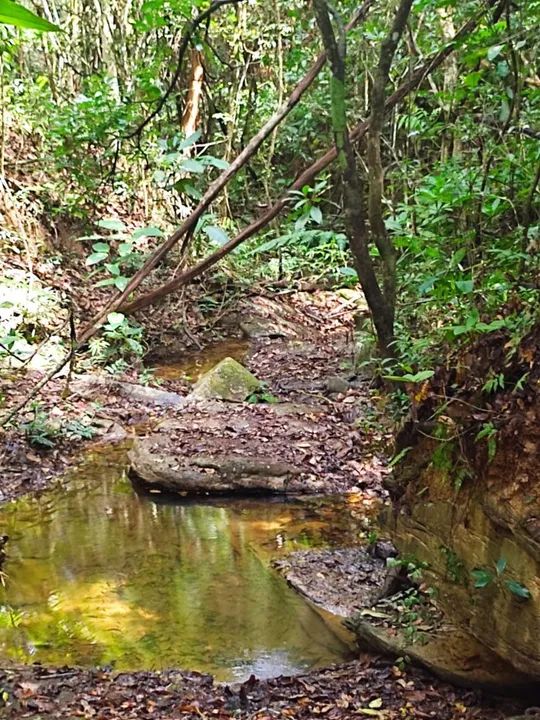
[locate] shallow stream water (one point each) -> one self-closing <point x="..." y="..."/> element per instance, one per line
<point x="98" y="574"/>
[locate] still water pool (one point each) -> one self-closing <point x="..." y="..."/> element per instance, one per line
<point x="98" y="574"/>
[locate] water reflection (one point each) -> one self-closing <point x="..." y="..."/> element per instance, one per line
<point x="194" y="364"/>
<point x="97" y="574"/>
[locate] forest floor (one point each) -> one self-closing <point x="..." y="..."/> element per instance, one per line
<point x="300" y="346"/>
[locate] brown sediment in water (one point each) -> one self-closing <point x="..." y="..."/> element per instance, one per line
<point x="192" y="365"/>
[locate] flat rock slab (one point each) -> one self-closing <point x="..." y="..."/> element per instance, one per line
<point x="341" y="581"/>
<point x="156" y="464"/>
<point x="310" y="443"/>
<point x="450" y="653"/>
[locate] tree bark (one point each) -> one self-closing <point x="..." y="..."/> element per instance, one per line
<point x="375" y="169"/>
<point x="190" y="116"/>
<point x="380" y="302"/>
<point x="217" y="186"/>
<point x="305" y="178"/>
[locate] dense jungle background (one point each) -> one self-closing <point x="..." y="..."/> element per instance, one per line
<point x="343" y="197"/>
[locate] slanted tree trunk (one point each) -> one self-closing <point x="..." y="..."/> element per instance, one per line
<point x="380" y="295"/>
<point x="217" y="186"/>
<point x="191" y="114"/>
<point x="306" y="177"/>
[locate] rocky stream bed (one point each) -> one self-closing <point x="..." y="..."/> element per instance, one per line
<point x="313" y="428"/>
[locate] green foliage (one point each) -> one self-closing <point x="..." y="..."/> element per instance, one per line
<point x="39" y="431"/>
<point x="459" y="159"/>
<point x="79" y="429"/>
<point x="488" y="432"/>
<point x="484" y="577"/>
<point x="417" y="377"/>
<point x="122" y="250"/>
<point x="11" y="13"/>
<point x="42" y="433"/>
<point x="455" y="567"/>
<point x="120" y="340"/>
<point x="262" y="396"/>
<point x="148" y="377"/>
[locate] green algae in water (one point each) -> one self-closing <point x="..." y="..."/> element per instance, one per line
<point x="97" y="575"/>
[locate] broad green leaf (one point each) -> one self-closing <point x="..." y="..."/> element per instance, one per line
<point x="274" y="244"/>
<point x="96" y="258"/>
<point x="347" y="271"/>
<point x="493" y="325"/>
<point x="190" y="140"/>
<point x="494" y="52"/>
<point x="101" y="247"/>
<point x="482" y="578"/>
<point x="464" y="286"/>
<point x="115" y="319"/>
<point x="105" y="283"/>
<point x="316" y="214"/>
<point x="500" y="566"/>
<point x="121" y="282"/>
<point x="149" y="231"/>
<point x="518" y="589"/>
<point x="216" y="162"/>
<point x="125" y="249"/>
<point x="504" y="112"/>
<point x="112" y="224"/>
<point x="192" y="191"/>
<point x="428" y="284"/>
<point x="11" y="13"/>
<point x="408" y="377"/>
<point x="216" y="234"/>
<point x="192" y="166"/>
<point x="113" y="268"/>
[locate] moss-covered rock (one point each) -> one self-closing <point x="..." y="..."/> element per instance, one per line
<point x="228" y="380"/>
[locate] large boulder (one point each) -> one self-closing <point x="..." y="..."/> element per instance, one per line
<point x="158" y="465"/>
<point x="228" y="380"/>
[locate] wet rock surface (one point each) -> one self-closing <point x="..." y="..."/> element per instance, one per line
<point x="446" y="650"/>
<point x="301" y="437"/>
<point x="356" y="584"/>
<point x="472" y="517"/>
<point x="338" y="580"/>
<point x="157" y="464"/>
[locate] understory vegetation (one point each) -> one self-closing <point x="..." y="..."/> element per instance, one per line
<point x="280" y="263"/>
<point x="124" y="121"/>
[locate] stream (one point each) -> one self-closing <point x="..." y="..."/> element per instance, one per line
<point x="98" y="574"/>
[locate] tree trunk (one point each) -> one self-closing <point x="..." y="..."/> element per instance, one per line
<point x="190" y="116"/>
<point x="380" y="302"/>
<point x="305" y="178"/>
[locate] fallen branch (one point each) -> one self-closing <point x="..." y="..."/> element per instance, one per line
<point x="305" y="178"/>
<point x="5" y="419"/>
<point x="217" y="186"/>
